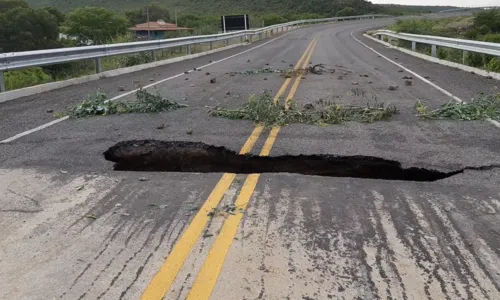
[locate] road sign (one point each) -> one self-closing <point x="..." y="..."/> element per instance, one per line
<point x="231" y="23"/>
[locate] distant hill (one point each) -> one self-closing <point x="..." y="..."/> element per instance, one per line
<point x="280" y="7"/>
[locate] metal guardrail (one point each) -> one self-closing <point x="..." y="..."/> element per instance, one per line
<point x="435" y="41"/>
<point x="18" y="60"/>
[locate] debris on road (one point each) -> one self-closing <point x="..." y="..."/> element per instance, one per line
<point x="191" y="85"/>
<point x="258" y="71"/>
<point x="213" y="80"/>
<point x="121" y="88"/>
<point x="99" y="104"/>
<point x="265" y="78"/>
<point x="151" y="79"/>
<point x="228" y="93"/>
<point x="408" y="82"/>
<point x="225" y="210"/>
<point x="91" y="216"/>
<point x="49" y="111"/>
<point x="80" y="187"/>
<point x="407" y="77"/>
<point x="143" y="179"/>
<point x="340" y="77"/>
<point x="400" y="71"/>
<point x="207" y="73"/>
<point x="482" y="107"/>
<point x="393" y="87"/>
<point x="161" y="126"/>
<point x="189" y="132"/>
<point x="186" y="78"/>
<point x="354" y="83"/>
<point x="186" y="72"/>
<point x="263" y="110"/>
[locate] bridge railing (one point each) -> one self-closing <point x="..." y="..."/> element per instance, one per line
<point x="25" y="59"/>
<point x="438" y="41"/>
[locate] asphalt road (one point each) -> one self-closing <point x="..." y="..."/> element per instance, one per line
<point x="72" y="228"/>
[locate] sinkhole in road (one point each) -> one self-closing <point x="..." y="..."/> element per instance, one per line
<point x="178" y="156"/>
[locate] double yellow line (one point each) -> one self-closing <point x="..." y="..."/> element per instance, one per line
<point x="209" y="273"/>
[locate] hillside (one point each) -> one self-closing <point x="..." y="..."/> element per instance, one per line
<point x="323" y="7"/>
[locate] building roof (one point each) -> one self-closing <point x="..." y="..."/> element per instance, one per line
<point x="157" y="26"/>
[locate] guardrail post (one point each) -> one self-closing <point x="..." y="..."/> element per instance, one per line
<point x="266" y="34"/>
<point x="251" y="37"/>
<point x="227" y="42"/>
<point x="433" y="51"/>
<point x="464" y="57"/>
<point x="98" y="65"/>
<point x="241" y="39"/>
<point x="2" y="83"/>
<point x="211" y="45"/>
<point x="188" y="49"/>
<point x="414" y="46"/>
<point x="153" y="55"/>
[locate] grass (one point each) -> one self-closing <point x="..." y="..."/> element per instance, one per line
<point x="99" y="104"/>
<point x="483" y="107"/>
<point x="262" y="110"/>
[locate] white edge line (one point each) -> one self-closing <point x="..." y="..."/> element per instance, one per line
<point x="493" y="122"/>
<point x="17" y="136"/>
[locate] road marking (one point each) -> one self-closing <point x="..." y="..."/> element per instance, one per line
<point x="165" y="277"/>
<point x="437" y="87"/>
<point x="295" y="85"/>
<point x="209" y="273"/>
<point x="17" y="136"/>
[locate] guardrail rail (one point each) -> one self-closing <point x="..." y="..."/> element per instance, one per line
<point x="435" y="41"/>
<point x="25" y="59"/>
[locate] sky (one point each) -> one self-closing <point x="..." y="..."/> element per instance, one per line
<point x="462" y="3"/>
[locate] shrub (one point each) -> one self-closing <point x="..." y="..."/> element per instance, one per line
<point x="17" y="79"/>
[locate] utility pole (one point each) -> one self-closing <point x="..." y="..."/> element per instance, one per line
<point x="147" y="19"/>
<point x="175" y="14"/>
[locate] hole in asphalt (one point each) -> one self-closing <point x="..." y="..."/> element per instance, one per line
<point x="177" y="156"/>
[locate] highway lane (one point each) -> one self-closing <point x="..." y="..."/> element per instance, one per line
<point x="65" y="214"/>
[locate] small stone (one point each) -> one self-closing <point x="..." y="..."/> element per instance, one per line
<point x="365" y="75"/>
<point x="228" y="93"/>
<point x="199" y="70"/>
<point x="407" y="77"/>
<point x="447" y="208"/>
<point x="400" y="71"/>
<point x="427" y="77"/>
<point x="345" y="73"/>
<point x="151" y="79"/>
<point x="395" y="58"/>
<point x="393" y="87"/>
<point x="354" y="83"/>
<point x="308" y="106"/>
<point x="143" y="179"/>
<point x="189" y="132"/>
<point x="472" y="72"/>
<point x="186" y="72"/>
<point x="283" y="61"/>
<point x="209" y="61"/>
<point x="49" y="111"/>
<point x="267" y="64"/>
<point x="248" y="60"/>
<point x="191" y="85"/>
<point x="207" y="73"/>
<point x="186" y="78"/>
<point x="213" y="80"/>
<point x="370" y="82"/>
<point x="232" y="74"/>
<point x="161" y="126"/>
<point x="376" y="68"/>
<point x="290" y="65"/>
<point x="265" y="78"/>
<point x="118" y="205"/>
<point x="407" y="82"/>
<point x="135" y="81"/>
<point x="489" y="77"/>
<point x="121" y="88"/>
<point x="302" y="77"/>
<point x="340" y="77"/>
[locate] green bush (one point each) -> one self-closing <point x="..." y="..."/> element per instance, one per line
<point x="17" y="79"/>
<point x="493" y="65"/>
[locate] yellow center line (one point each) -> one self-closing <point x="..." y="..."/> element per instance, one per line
<point x="209" y="273"/>
<point x="283" y="88"/>
<point x="165" y="277"/>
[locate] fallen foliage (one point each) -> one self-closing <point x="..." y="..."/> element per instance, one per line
<point x="262" y="110"/>
<point x="98" y="104"/>
<point x="482" y="107"/>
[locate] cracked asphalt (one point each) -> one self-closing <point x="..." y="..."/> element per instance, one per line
<point x="72" y="228"/>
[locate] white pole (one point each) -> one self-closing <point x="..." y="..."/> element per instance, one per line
<point x="224" y="23"/>
<point x="245" y="18"/>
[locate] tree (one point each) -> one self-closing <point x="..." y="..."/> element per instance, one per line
<point x="6" y="5"/>
<point x="94" y="25"/>
<point x="488" y="21"/>
<point x="348" y="11"/>
<point x="273" y="19"/>
<point x="156" y="12"/>
<point x="23" y="29"/>
<point x="56" y="13"/>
